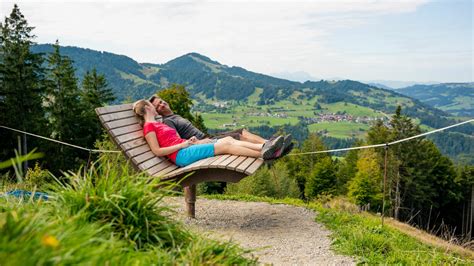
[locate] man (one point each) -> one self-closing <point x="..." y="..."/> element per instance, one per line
<point x="186" y="129"/>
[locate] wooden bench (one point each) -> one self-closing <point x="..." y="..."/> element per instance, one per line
<point x="126" y="132"/>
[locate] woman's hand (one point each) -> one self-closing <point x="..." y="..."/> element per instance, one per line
<point x="186" y="144"/>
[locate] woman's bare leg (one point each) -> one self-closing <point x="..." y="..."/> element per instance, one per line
<point x="249" y="145"/>
<point x="228" y="148"/>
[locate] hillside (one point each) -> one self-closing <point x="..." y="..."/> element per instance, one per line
<point x="454" y="98"/>
<point x="342" y="110"/>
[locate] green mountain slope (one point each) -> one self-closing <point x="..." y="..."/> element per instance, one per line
<point x="454" y="98"/>
<point x="232" y="96"/>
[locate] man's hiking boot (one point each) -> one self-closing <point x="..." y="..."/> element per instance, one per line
<point x="286" y="147"/>
<point x="271" y="147"/>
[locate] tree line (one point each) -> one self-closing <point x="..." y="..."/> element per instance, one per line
<point x="423" y="186"/>
<point x="40" y="94"/>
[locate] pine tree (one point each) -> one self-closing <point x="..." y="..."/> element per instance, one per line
<point x="322" y="179"/>
<point x="95" y="93"/>
<point x="301" y="167"/>
<point x="21" y="83"/>
<point x="65" y="108"/>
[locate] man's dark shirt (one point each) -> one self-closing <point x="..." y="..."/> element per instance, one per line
<point x="183" y="126"/>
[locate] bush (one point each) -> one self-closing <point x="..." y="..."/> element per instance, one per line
<point x="267" y="182"/>
<point x="38" y="177"/>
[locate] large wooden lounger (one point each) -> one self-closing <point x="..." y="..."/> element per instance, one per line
<point x="125" y="130"/>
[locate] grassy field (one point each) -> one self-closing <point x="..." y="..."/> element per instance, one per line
<point x="340" y="129"/>
<point x="240" y="115"/>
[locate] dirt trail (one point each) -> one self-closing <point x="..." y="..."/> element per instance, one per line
<point x="279" y="234"/>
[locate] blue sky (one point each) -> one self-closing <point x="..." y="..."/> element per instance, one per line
<point x="415" y="40"/>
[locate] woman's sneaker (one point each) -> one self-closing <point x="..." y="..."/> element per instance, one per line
<point x="271" y="147"/>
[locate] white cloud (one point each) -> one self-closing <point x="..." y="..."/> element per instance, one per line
<point x="263" y="36"/>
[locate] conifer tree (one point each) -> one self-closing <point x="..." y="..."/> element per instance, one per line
<point x="95" y="93"/>
<point x="322" y="179"/>
<point x="64" y="107"/>
<point x="301" y="167"/>
<point x="21" y="82"/>
<point x="95" y="90"/>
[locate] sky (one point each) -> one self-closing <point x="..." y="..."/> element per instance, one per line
<point x="402" y="40"/>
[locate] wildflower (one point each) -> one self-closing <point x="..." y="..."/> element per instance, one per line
<point x="50" y="241"/>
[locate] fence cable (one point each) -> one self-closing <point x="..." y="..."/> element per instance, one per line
<point x="385" y="144"/>
<point x="60" y="142"/>
<point x="291" y="154"/>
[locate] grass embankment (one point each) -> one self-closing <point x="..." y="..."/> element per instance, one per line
<point x="361" y="235"/>
<point x="106" y="216"/>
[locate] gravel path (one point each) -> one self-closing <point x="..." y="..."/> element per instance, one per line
<point x="279" y="234"/>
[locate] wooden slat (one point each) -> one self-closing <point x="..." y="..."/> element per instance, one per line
<point x="209" y="161"/>
<point x="245" y="164"/>
<point x="220" y="160"/>
<point x="189" y="168"/>
<point x="129" y="137"/>
<point x="138" y="150"/>
<point x="124" y="130"/>
<point x="166" y="170"/>
<point x="150" y="163"/>
<point x="132" y="144"/>
<point x="113" y="108"/>
<point x="254" y="166"/>
<point x="117" y="116"/>
<point x="204" y="163"/>
<point x="143" y="157"/>
<point x="155" y="169"/>
<point x="120" y="123"/>
<point x="235" y="163"/>
<point x="227" y="161"/>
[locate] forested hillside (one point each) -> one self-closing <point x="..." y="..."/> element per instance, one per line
<point x="209" y="82"/>
<point x="454" y="98"/>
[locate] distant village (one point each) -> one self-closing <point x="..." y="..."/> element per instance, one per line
<point x="317" y="118"/>
<point x="332" y="117"/>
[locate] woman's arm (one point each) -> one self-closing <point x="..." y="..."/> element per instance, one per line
<point x="193" y="140"/>
<point x="157" y="150"/>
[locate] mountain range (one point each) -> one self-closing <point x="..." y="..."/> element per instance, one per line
<point x="211" y="80"/>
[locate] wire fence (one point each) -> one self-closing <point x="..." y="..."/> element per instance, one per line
<point x="291" y="154"/>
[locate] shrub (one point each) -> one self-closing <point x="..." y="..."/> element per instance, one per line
<point x="38" y="177"/>
<point x="267" y="182"/>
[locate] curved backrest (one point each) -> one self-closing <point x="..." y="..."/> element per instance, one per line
<point x="125" y="130"/>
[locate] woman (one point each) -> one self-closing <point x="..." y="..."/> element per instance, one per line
<point x="165" y="141"/>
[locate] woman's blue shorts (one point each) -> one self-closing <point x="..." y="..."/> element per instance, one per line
<point x="194" y="153"/>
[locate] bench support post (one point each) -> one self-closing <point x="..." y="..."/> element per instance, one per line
<point x="190" y="199"/>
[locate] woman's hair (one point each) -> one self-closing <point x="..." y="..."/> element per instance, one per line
<point x="139" y="110"/>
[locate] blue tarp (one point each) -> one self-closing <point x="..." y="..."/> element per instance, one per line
<point x="27" y="194"/>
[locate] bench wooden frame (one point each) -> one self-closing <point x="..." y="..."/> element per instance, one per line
<point x="125" y="130"/>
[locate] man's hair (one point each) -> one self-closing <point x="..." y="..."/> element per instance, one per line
<point x="152" y="98"/>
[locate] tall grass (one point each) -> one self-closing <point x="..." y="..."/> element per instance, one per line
<point x="106" y="215"/>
